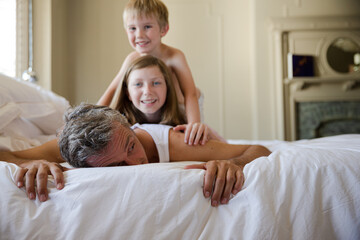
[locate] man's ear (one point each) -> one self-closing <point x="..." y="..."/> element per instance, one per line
<point x="164" y="30"/>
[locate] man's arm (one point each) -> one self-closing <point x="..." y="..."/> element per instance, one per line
<point x="228" y="175"/>
<point x="213" y="150"/>
<point x="49" y="151"/>
<point x="36" y="164"/>
<point x="224" y="164"/>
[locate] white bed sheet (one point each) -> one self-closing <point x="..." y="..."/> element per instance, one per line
<point x="303" y="190"/>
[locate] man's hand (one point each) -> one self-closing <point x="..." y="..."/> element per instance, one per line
<point x="38" y="170"/>
<point x="195" y="133"/>
<point x="222" y="178"/>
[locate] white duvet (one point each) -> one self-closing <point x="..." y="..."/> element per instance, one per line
<point x="303" y="190"/>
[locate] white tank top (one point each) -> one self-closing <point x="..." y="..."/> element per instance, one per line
<point x="160" y="135"/>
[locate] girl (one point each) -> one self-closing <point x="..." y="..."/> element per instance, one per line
<point x="146" y="94"/>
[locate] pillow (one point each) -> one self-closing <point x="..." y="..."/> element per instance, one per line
<point x="8" y="113"/>
<point x="42" y="107"/>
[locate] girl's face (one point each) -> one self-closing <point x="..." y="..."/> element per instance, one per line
<point x="147" y="91"/>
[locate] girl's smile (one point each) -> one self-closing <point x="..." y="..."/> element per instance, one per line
<point x="147" y="91"/>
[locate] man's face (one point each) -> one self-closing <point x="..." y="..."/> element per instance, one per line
<point x="124" y="149"/>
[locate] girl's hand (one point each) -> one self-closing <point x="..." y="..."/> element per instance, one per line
<point x="195" y="133"/>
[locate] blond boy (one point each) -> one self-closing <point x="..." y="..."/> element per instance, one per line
<point x="146" y="22"/>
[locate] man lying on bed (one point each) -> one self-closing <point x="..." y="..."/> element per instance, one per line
<point x="97" y="136"/>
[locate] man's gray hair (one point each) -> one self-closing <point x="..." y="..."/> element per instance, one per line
<point x="88" y="130"/>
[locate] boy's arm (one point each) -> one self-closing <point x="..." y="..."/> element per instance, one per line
<point x="224" y="164"/>
<point x="108" y="95"/>
<point x="35" y="165"/>
<point x="106" y="98"/>
<point x="187" y="85"/>
<point x="195" y="131"/>
<point x="195" y="137"/>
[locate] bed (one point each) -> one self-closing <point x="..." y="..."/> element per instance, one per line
<point x="308" y="189"/>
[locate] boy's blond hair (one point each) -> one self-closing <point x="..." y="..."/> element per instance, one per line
<point x="148" y="8"/>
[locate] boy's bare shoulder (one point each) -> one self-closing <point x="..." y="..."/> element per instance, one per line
<point x="132" y="56"/>
<point x="173" y="55"/>
<point x="129" y="59"/>
<point x="173" y="52"/>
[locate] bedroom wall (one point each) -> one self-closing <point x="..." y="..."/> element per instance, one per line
<point x="42" y="42"/>
<point x="214" y="36"/>
<point x="51" y="40"/>
<point x="227" y="44"/>
<point x="92" y="47"/>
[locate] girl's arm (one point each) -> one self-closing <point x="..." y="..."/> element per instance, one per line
<point x="106" y="98"/>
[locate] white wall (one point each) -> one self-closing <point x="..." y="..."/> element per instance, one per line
<point x="97" y="45"/>
<point x="42" y="42"/>
<point x="214" y="35"/>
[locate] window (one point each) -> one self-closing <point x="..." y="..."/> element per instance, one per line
<point x="8" y="37"/>
<point x="14" y="37"/>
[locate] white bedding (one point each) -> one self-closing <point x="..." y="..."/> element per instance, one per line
<point x="303" y="190"/>
<point x="29" y="115"/>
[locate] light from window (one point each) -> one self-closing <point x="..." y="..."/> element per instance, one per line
<point x="8" y="37"/>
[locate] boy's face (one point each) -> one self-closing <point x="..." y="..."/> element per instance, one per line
<point x="144" y="33"/>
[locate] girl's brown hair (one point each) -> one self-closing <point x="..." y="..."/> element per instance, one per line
<point x="170" y="112"/>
